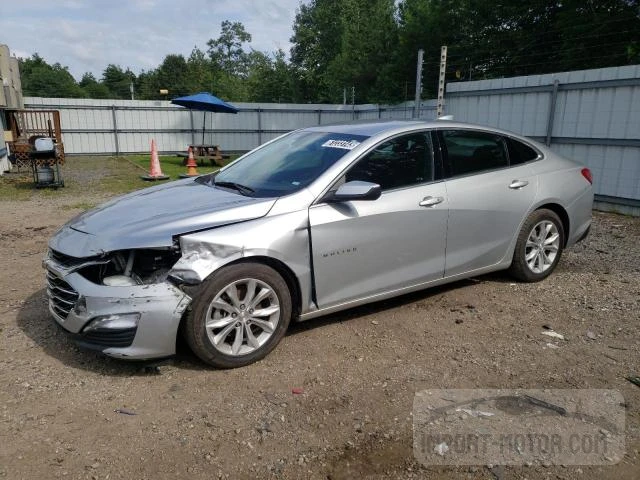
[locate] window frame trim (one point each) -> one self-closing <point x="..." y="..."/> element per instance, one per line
<point x="446" y="164"/>
<point x="434" y="159"/>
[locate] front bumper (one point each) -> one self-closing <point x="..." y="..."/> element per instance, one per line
<point x="75" y="302"/>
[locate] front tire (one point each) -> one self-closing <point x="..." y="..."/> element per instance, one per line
<point x="539" y="247"/>
<point x="238" y="315"/>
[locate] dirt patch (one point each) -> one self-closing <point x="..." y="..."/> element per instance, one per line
<point x="357" y="372"/>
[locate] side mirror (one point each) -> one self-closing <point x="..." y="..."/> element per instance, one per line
<point x="355" y="190"/>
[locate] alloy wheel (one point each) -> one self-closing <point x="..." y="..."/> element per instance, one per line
<point x="242" y="317"/>
<point x="542" y="246"/>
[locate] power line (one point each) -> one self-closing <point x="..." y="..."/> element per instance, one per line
<point x="593" y="23"/>
<point x="560" y="41"/>
<point x="529" y="55"/>
<point x="519" y="65"/>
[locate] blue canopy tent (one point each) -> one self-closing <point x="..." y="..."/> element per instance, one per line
<point x="207" y="103"/>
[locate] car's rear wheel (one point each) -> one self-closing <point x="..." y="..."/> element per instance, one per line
<point x="238" y="315"/>
<point x="539" y="246"/>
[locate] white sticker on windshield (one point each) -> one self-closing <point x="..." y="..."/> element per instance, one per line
<point x="344" y="144"/>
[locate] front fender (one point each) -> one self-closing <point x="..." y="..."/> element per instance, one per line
<point x="284" y="238"/>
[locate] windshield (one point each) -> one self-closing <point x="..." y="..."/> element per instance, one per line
<point x="288" y="164"/>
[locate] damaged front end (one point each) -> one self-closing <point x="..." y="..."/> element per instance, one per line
<point x="120" y="303"/>
<point x="109" y="270"/>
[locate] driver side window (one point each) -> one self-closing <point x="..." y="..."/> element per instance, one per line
<point x="400" y="162"/>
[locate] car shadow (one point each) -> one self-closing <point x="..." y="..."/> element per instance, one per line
<point x="37" y="323"/>
<point x="389" y="304"/>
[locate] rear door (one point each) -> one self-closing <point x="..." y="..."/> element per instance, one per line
<point x="488" y="197"/>
<point x="362" y="248"/>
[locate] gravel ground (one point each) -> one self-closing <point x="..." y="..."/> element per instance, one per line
<point x="358" y="370"/>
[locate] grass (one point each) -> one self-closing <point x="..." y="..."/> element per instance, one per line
<point x="91" y="176"/>
<point x="79" y="206"/>
<point x="170" y="165"/>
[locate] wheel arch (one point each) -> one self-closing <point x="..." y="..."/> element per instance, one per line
<point x="285" y="272"/>
<point x="564" y="218"/>
<point x="290" y="278"/>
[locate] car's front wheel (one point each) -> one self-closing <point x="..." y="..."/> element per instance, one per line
<point x="238" y="315"/>
<point x="539" y="246"/>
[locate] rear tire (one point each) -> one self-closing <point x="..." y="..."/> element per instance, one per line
<point x="539" y="247"/>
<point x="238" y="315"/>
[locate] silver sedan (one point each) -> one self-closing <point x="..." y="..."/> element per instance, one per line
<point x="318" y="220"/>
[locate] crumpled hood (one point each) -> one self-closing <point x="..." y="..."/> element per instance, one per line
<point x="151" y="217"/>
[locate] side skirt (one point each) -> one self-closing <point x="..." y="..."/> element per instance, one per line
<point x="401" y="291"/>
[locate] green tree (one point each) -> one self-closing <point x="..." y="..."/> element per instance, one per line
<point x="118" y="81"/>
<point x="317" y="34"/>
<point x="230" y="61"/>
<point x="39" y="79"/>
<point x="172" y="75"/>
<point x="227" y="51"/>
<point x="270" y="78"/>
<point x="338" y="44"/>
<point x="369" y="38"/>
<point x="93" y="88"/>
<point x="597" y="32"/>
<point x="200" y="72"/>
<point x="488" y="40"/>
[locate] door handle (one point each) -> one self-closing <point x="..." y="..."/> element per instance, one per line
<point x="431" y="201"/>
<point x="517" y="184"/>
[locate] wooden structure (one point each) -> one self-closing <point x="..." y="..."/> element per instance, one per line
<point x="211" y="153"/>
<point x="28" y="125"/>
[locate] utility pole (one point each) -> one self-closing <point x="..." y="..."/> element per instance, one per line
<point x="131" y="90"/>
<point x="353" y="102"/>
<point x="344" y="96"/>
<point x="443" y="69"/>
<point x="416" y="105"/>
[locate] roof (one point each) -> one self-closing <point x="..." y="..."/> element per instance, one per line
<point x="367" y="127"/>
<point x="370" y="128"/>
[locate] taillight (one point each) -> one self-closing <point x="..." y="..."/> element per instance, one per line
<point x="586" y="173"/>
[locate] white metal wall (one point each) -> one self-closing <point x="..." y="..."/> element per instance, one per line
<point x="92" y="126"/>
<point x="592" y="116"/>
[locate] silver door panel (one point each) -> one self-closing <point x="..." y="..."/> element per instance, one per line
<point x="366" y="247"/>
<point x="485" y="213"/>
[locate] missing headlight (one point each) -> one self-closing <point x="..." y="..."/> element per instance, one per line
<point x="133" y="267"/>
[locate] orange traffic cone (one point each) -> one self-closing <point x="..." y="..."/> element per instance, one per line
<point x="192" y="170"/>
<point x="155" y="173"/>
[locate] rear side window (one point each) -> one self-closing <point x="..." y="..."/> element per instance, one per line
<point x="467" y="151"/>
<point x="520" y="152"/>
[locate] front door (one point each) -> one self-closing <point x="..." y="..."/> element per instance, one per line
<point x="362" y="248"/>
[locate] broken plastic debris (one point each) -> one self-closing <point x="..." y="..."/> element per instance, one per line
<point x="125" y="411"/>
<point x="441" y="449"/>
<point x="553" y="334"/>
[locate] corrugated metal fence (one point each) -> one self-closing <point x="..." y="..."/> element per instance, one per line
<point x="127" y="126"/>
<point x="592" y="116"/>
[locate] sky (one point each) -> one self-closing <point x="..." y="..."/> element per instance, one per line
<point x="87" y="35"/>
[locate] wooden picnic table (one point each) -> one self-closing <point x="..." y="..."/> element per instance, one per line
<point x="202" y="153"/>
